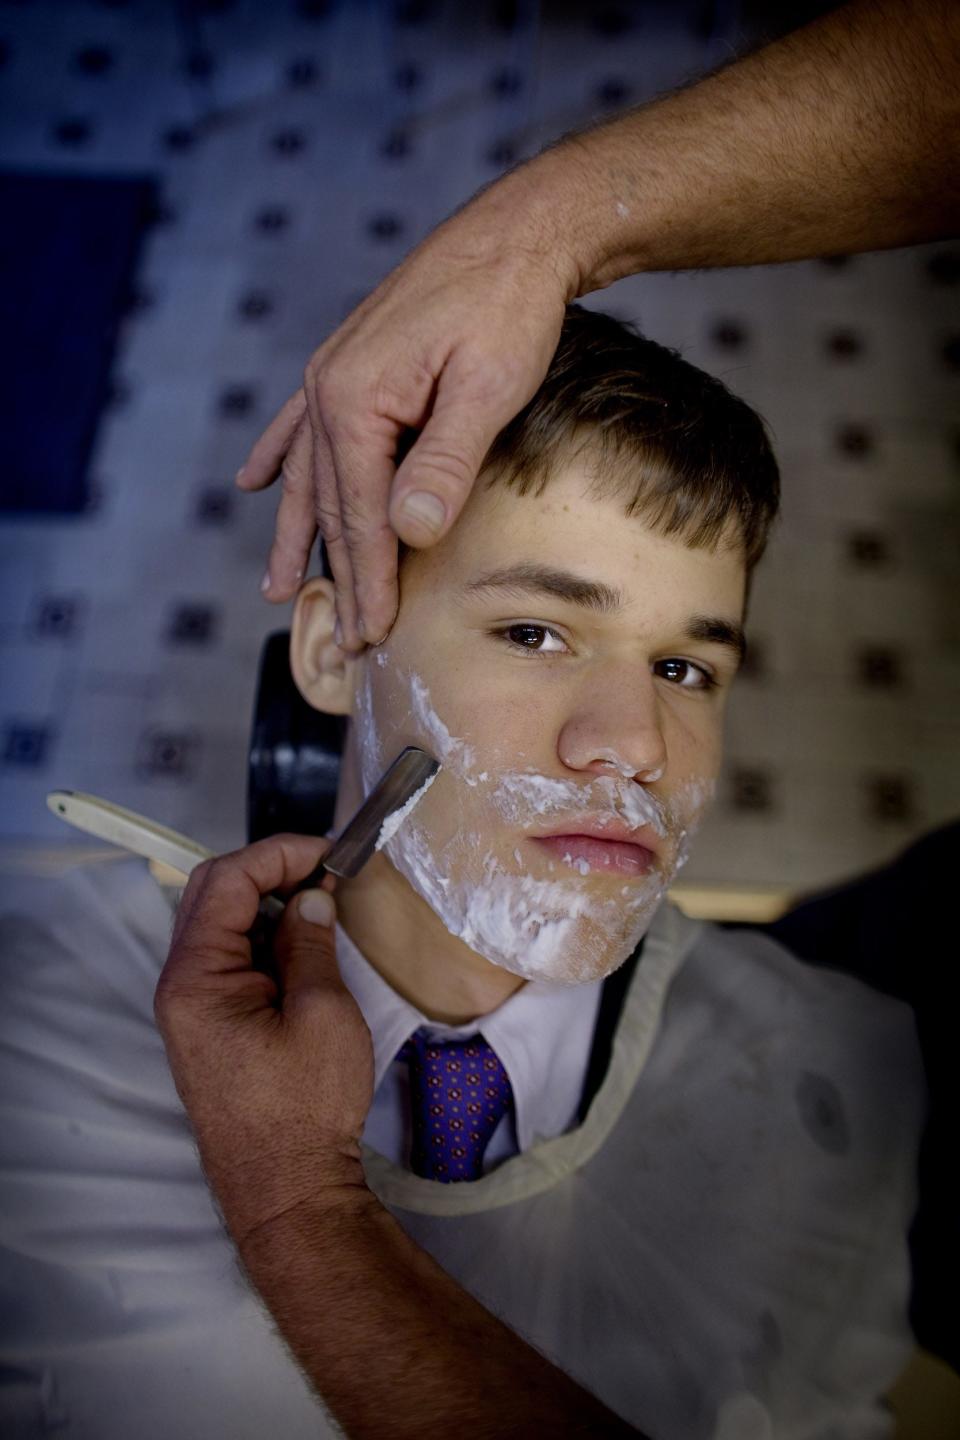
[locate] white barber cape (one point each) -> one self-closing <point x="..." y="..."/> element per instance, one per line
<point x="718" y="1250"/>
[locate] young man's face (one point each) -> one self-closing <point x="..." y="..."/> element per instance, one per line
<point x="551" y="717"/>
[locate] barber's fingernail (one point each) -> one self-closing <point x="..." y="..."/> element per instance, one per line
<point x="317" y="906"/>
<point x="239" y="475"/>
<point x="367" y="630"/>
<point x="265" y="583"/>
<point x="426" y="509"/>
<point x="338" y="634"/>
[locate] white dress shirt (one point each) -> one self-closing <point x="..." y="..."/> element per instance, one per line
<point x="542" y="1036"/>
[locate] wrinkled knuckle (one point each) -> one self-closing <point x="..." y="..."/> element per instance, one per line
<point x="327" y="497"/>
<point x="452" y="466"/>
<point x="291" y="478"/>
<point x="329" y="522"/>
<point x="315" y="371"/>
<point x="320" y="359"/>
<point x="404" y="387"/>
<point x="355" y="511"/>
<point x="349" y="424"/>
<point x="331" y="388"/>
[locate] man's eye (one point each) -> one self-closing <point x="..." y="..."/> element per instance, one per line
<point x="685" y="674"/>
<point x="527" y="637"/>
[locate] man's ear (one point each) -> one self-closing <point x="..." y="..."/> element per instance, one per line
<point x="325" y="675"/>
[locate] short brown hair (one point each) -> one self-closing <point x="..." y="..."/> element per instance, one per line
<point x="690" y="456"/>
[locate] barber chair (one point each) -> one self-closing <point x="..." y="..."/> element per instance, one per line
<point x="885" y="928"/>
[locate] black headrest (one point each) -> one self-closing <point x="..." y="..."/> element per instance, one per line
<point x="295" y="753"/>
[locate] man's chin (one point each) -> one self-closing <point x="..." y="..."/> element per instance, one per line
<point x="564" y="949"/>
<point x="567" y="928"/>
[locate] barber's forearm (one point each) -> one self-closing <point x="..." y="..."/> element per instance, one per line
<point x="842" y="136"/>
<point x="395" y="1347"/>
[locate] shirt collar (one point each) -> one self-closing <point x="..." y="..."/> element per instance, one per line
<point x="542" y="1035"/>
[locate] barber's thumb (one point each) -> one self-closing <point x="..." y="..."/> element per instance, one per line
<point x="431" y="486"/>
<point x="304" y="947"/>
<point x="317" y="907"/>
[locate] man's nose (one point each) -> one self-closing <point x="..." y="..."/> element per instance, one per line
<point x="616" y="729"/>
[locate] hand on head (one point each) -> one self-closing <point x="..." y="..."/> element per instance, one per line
<point x="452" y="344"/>
<point x="456" y="340"/>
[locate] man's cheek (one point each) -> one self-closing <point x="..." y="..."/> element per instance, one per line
<point x="383" y="709"/>
<point x="369" y="747"/>
<point x="686" y="809"/>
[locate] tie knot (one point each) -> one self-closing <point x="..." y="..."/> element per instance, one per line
<point x="459" y="1093"/>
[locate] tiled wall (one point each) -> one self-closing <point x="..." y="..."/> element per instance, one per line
<point x="303" y="148"/>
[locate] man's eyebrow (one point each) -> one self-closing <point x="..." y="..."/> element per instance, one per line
<point x="718" y="632"/>
<point x="532" y="579"/>
<point x="542" y="580"/>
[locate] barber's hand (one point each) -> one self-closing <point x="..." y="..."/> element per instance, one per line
<point x="453" y="343"/>
<point x="275" y="1070"/>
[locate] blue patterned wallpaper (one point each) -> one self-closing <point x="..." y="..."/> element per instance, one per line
<point x="301" y="150"/>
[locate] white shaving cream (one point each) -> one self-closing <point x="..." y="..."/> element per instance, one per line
<point x="393" y="822"/>
<point x="624" y="768"/>
<point x="454" y="754"/>
<point x="562" y="929"/>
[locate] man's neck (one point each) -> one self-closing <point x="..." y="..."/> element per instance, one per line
<point x="404" y="940"/>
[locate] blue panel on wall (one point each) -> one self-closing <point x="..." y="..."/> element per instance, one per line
<point x="67" y="255"/>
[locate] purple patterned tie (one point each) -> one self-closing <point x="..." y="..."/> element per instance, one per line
<point x="459" y="1092"/>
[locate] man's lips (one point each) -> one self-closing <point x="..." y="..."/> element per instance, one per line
<point x="627" y="857"/>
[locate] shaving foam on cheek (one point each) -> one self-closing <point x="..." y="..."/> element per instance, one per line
<point x="537" y="929"/>
<point x="454" y="754"/>
<point x="370" y="751"/>
<point x="557" y="930"/>
<point x="562" y="929"/>
<point x="685" y="811"/>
